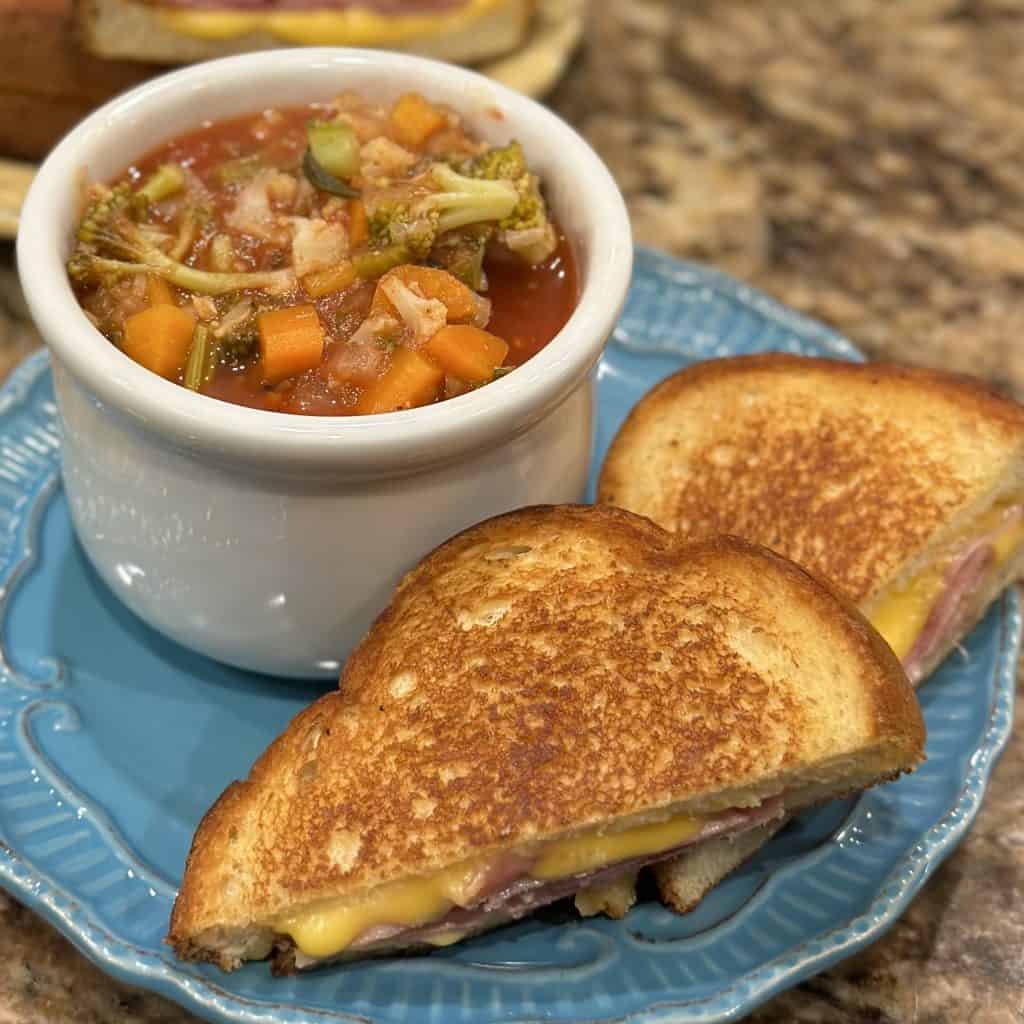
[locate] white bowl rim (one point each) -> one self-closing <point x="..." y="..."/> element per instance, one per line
<point x="390" y="441"/>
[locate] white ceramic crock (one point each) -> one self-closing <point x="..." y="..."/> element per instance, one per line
<point x="271" y="541"/>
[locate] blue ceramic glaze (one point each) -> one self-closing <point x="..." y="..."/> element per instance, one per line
<point x="113" y="742"/>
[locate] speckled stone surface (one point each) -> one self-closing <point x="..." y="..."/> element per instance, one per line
<point x="862" y="160"/>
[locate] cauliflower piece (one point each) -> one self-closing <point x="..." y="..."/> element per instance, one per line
<point x="317" y="245"/>
<point x="533" y="244"/>
<point x="282" y="188"/>
<point x="382" y="159"/>
<point x="423" y="317"/>
<point x="252" y="213"/>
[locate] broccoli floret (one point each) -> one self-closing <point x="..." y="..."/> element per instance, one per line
<point x="165" y="181"/>
<point x="463" y="200"/>
<point x="526" y="230"/>
<point x="439" y="200"/>
<point x="111" y="244"/>
<point x="502" y="162"/>
<point x="240" y="345"/>
<point x="105" y="205"/>
<point x="397" y="223"/>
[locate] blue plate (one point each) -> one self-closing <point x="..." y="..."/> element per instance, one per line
<point x="113" y="741"/>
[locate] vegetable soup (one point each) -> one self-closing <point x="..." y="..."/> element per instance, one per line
<point x="335" y="259"/>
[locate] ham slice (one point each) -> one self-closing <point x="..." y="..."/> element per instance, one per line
<point x="508" y="894"/>
<point x="964" y="577"/>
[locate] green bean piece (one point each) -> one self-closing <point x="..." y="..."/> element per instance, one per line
<point x="163" y="183"/>
<point x="371" y="265"/>
<point x="198" y="354"/>
<point x="222" y="254"/>
<point x="334" y="147"/>
<point x="210" y="364"/>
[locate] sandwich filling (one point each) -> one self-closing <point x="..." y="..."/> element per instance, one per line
<point x="918" y="619"/>
<point x="321" y="22"/>
<point x="441" y="908"/>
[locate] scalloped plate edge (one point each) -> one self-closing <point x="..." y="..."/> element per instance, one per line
<point x="198" y="993"/>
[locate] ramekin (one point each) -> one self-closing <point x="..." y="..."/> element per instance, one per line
<point x="268" y="540"/>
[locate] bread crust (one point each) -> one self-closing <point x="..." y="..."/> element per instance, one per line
<point x="541" y="673"/>
<point x="685" y="880"/>
<point x="852" y="470"/>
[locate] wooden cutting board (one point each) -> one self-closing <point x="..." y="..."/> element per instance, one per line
<point x="47" y="82"/>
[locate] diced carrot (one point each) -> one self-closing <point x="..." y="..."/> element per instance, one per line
<point x="335" y="279"/>
<point x="291" y="340"/>
<point x="467" y="352"/>
<point x="409" y="381"/>
<point x="358" y="225"/>
<point x="414" y="120"/>
<point x="159" y="338"/>
<point x="159" y="291"/>
<point x="431" y="283"/>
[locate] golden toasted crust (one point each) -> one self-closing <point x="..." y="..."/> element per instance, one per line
<point x="544" y="672"/>
<point x="685" y="880"/>
<point x="613" y="898"/>
<point x="852" y="470"/>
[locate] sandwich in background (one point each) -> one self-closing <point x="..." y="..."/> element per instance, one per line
<point x="903" y="487"/>
<point x="554" y="698"/>
<point x="93" y="49"/>
<point x="180" y="31"/>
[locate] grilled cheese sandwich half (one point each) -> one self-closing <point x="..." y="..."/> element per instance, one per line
<point x="554" y="699"/>
<point x="903" y="487"/>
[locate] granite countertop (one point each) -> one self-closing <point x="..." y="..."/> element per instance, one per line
<point x="864" y="162"/>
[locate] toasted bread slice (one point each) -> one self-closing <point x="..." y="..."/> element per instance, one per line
<point x="547" y="678"/>
<point x="869" y="475"/>
<point x="685" y="880"/>
<point x="614" y="898"/>
<point x="146" y="30"/>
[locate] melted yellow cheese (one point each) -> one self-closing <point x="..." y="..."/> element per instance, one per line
<point x="1007" y="542"/>
<point x="448" y="938"/>
<point x="588" y="852"/>
<point x="353" y="27"/>
<point x="901" y="615"/>
<point x="326" y="930"/>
